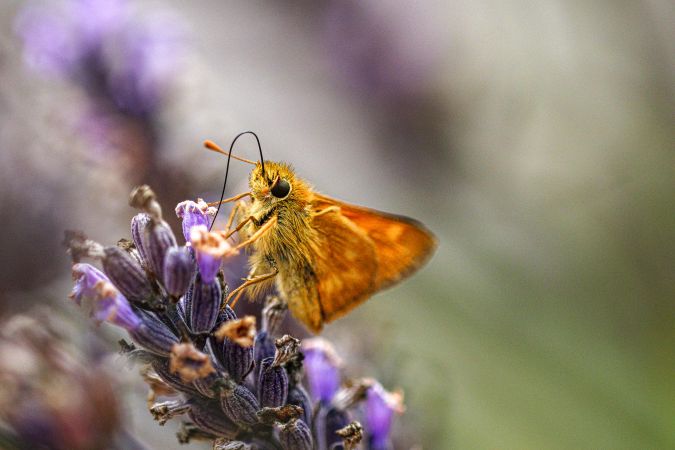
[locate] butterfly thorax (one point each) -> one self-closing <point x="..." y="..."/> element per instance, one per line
<point x="287" y="244"/>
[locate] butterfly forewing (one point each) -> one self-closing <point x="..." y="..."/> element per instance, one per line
<point x="402" y="245"/>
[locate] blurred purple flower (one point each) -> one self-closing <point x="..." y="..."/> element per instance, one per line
<point x="142" y="63"/>
<point x="322" y="365"/>
<point x="86" y="278"/>
<point x="380" y="408"/>
<point x="101" y="45"/>
<point x="383" y="56"/>
<point x="50" y="44"/>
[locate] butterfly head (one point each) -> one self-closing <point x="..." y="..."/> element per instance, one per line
<point x="275" y="184"/>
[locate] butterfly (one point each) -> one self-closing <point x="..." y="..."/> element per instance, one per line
<point x="325" y="256"/>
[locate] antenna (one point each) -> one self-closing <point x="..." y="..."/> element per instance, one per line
<point x="212" y="146"/>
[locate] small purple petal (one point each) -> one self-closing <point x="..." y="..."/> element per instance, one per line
<point x="86" y="278"/>
<point x="208" y="265"/>
<point x="194" y="214"/>
<point x="111" y="306"/>
<point x="380" y="408"/>
<point x="322" y="368"/>
<point x="210" y="248"/>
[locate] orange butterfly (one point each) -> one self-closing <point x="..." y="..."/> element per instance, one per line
<point x="325" y="256"/>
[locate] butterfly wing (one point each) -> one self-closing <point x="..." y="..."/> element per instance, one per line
<point x="402" y="245"/>
<point x="344" y="265"/>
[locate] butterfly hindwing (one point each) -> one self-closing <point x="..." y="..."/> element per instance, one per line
<point x="344" y="264"/>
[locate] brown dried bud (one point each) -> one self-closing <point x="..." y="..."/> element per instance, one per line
<point x="189" y="432"/>
<point x="158" y="387"/>
<point x="351" y="435"/>
<point x="242" y="331"/>
<point x="287" y="349"/>
<point x="189" y="363"/>
<point x="281" y="414"/>
<point x="354" y="392"/>
<point x="227" y="444"/>
<point x="143" y="198"/>
<point x="163" y="412"/>
<point x="273" y="314"/>
<point x="80" y="246"/>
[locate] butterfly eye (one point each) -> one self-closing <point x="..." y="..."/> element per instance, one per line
<point x="281" y="188"/>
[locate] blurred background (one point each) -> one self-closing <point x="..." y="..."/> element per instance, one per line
<point x="535" y="139"/>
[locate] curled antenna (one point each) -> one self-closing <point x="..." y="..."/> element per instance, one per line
<point x="212" y="146"/>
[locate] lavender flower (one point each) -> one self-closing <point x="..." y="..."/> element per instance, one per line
<point x="194" y="214"/>
<point x="234" y="384"/>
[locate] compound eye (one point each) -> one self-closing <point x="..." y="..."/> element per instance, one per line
<point x="281" y="188"/>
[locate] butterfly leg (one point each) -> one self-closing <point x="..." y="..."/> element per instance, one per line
<point x="231" y="199"/>
<point x="258" y="234"/>
<point x="327" y="210"/>
<point x="239" y="226"/>
<point x="233" y="214"/>
<point x="250" y="280"/>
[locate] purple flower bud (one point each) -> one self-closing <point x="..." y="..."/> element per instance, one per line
<point x="126" y="274"/>
<point x="240" y="405"/>
<point x="208" y="416"/>
<point x="210" y="248"/>
<point x="211" y="385"/>
<point x="154" y="335"/>
<point x="193" y="215"/>
<point x="227" y="444"/>
<point x="204" y="305"/>
<point x="295" y="435"/>
<point x="161" y="367"/>
<point x="263" y="347"/>
<point x="226" y="314"/>
<point x="111" y="306"/>
<point x="380" y="408"/>
<point x="298" y="396"/>
<point x="86" y="278"/>
<point x="139" y="234"/>
<point x="322" y="369"/>
<point x="234" y="358"/>
<point x="178" y="271"/>
<point x="272" y="384"/>
<point x="160" y="240"/>
<point x="328" y="422"/>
